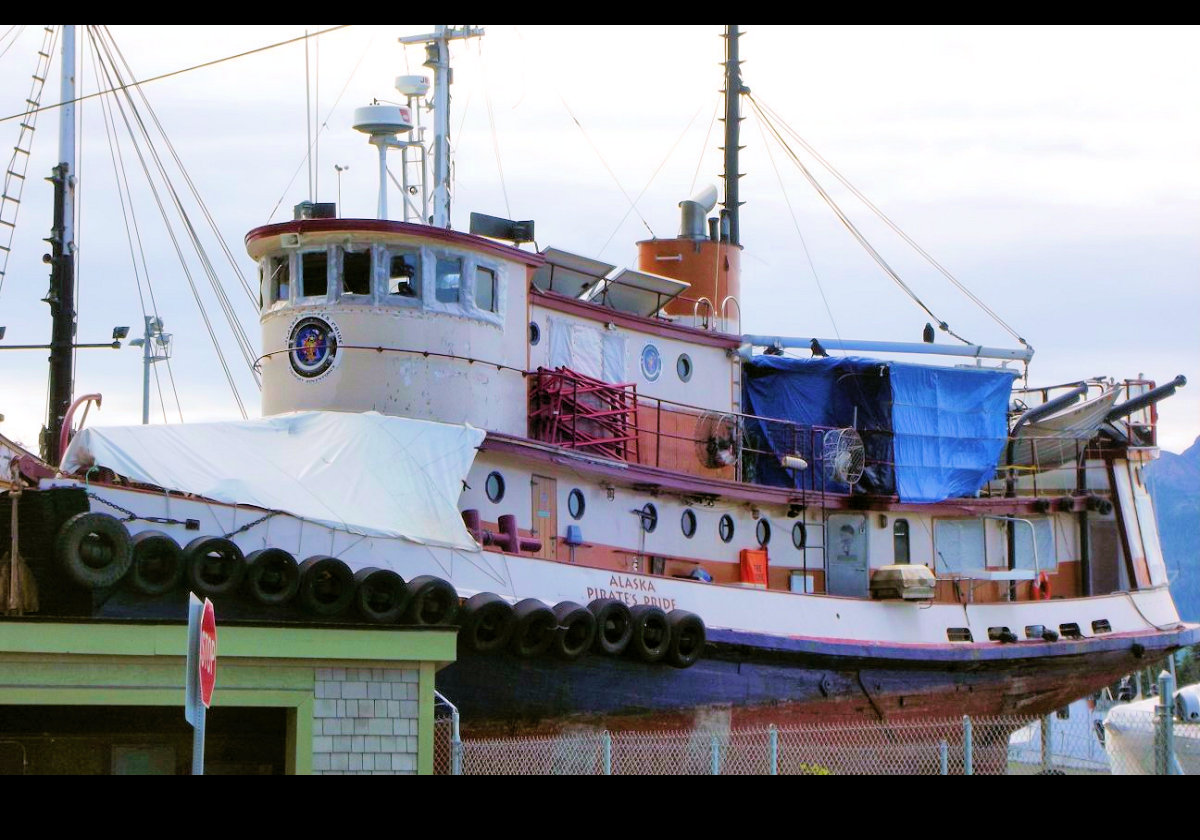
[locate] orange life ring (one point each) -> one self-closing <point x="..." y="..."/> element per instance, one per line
<point x="1041" y="587"/>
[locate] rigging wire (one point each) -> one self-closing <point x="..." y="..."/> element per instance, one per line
<point x="308" y="121"/>
<point x="893" y="226"/>
<point x="324" y="125"/>
<point x="20" y="29"/>
<point x="704" y="149"/>
<point x="849" y="225"/>
<point x="110" y="71"/>
<point x="487" y="95"/>
<point x="796" y="222"/>
<point x="161" y="76"/>
<point x="653" y="175"/>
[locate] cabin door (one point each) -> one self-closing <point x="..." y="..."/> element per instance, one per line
<point x="846" y="555"/>
<point x="545" y="516"/>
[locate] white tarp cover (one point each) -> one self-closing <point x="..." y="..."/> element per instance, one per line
<point x="366" y="473"/>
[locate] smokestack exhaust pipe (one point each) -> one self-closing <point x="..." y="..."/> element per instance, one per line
<point x="695" y="212"/>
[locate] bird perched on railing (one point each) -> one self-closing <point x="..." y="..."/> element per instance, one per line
<point x="817" y="350"/>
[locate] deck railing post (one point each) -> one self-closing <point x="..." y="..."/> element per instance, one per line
<point x="968" y="748"/>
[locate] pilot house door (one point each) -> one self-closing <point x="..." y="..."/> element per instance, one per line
<point x="545" y="516"/>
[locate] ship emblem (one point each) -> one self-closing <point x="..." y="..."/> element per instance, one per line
<point x="651" y="362"/>
<point x="312" y="347"/>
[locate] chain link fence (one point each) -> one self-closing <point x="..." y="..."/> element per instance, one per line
<point x="1085" y="739"/>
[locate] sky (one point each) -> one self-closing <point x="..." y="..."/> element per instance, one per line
<point x="1055" y="171"/>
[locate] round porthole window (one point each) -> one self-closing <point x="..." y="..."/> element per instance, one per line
<point x="725" y="528"/>
<point x="762" y="532"/>
<point x="494" y="487"/>
<point x="649" y="515"/>
<point x="683" y="366"/>
<point x="687" y="523"/>
<point x="535" y="333"/>
<point x="799" y="535"/>
<point x="576" y="504"/>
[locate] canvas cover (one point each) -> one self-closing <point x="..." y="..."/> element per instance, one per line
<point x="366" y="473"/>
<point x="930" y="433"/>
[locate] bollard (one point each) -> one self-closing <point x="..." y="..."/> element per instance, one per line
<point x="716" y="756"/>
<point x="944" y="758"/>
<point x="1164" y="731"/>
<point x="968" y="757"/>
<point x="772" y="750"/>
<point x="606" y="739"/>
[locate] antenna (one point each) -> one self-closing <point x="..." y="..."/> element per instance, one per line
<point x="383" y="123"/>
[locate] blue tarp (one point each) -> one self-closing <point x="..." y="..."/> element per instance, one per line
<point x="930" y="433"/>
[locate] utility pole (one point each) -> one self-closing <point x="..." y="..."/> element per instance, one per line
<point x="61" y="296"/>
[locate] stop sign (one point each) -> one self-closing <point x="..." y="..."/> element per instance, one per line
<point x="207" y="663"/>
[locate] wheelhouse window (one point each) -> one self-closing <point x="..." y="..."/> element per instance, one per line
<point x="356" y="272"/>
<point x="485" y="289"/>
<point x="958" y="544"/>
<point x="1025" y="540"/>
<point x="448" y="280"/>
<point x="314" y="274"/>
<point x="404" y="275"/>
<point x="278" y="280"/>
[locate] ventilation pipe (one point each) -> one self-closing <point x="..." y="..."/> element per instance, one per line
<point x="695" y="209"/>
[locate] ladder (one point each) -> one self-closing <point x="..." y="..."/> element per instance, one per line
<point x="18" y="165"/>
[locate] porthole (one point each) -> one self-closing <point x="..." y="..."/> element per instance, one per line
<point x="494" y="487"/>
<point x="762" y="532"/>
<point x="683" y="366"/>
<point x="725" y="528"/>
<point x="535" y="333"/>
<point x="799" y="535"/>
<point x="576" y="504"/>
<point x="649" y="516"/>
<point x="687" y="523"/>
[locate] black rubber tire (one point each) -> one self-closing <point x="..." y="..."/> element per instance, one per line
<point x="576" y="631"/>
<point x="157" y="566"/>
<point x="214" y="566"/>
<point x="272" y="576"/>
<point x="326" y="586"/>
<point x="487" y="623"/>
<point x="651" y="636"/>
<point x="687" y="638"/>
<point x="380" y="595"/>
<point x="614" y="626"/>
<point x="432" y="602"/>
<point x="94" y="549"/>
<point x="533" y="630"/>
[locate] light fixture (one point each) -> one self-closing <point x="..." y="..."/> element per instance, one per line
<point x="2" y="330"/>
<point x="120" y="333"/>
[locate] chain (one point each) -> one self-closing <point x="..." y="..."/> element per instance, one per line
<point x="130" y="516"/>
<point x="250" y="525"/>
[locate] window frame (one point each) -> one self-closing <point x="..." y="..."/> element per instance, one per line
<point x="298" y="275"/>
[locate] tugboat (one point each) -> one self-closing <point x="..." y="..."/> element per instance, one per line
<point x="638" y="514"/>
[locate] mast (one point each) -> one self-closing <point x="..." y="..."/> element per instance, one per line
<point x="61" y="296"/>
<point x="437" y="58"/>
<point x="733" y="124"/>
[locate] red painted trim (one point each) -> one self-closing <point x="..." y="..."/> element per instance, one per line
<point x="383" y="226"/>
<point x="653" y="326"/>
<point x="628" y="475"/>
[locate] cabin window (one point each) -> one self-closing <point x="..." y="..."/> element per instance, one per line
<point x="683" y="367"/>
<point x="356" y="272"/>
<point x="799" y="535"/>
<point x="725" y="528"/>
<point x="762" y="532"/>
<point x="576" y="504"/>
<point x="404" y="275"/>
<point x="448" y="280"/>
<point x="494" y="487"/>
<point x="900" y="542"/>
<point x="687" y="523"/>
<point x="314" y="274"/>
<point x="535" y="333"/>
<point x="278" y="279"/>
<point x="649" y="516"/>
<point x="1024" y="541"/>
<point x="485" y="289"/>
<point x="958" y="545"/>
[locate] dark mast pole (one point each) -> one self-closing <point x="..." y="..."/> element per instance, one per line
<point x="733" y="123"/>
<point x="62" y="264"/>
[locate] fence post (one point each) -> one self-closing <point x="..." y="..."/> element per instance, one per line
<point x="772" y="750"/>
<point x="606" y="740"/>
<point x="1046" y="749"/>
<point x="456" y="747"/>
<point x="716" y="755"/>
<point x="1164" y="734"/>
<point x="944" y="758"/>
<point x="968" y="748"/>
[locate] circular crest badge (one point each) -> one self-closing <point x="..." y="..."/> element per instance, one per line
<point x="651" y="362"/>
<point x="312" y="347"/>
